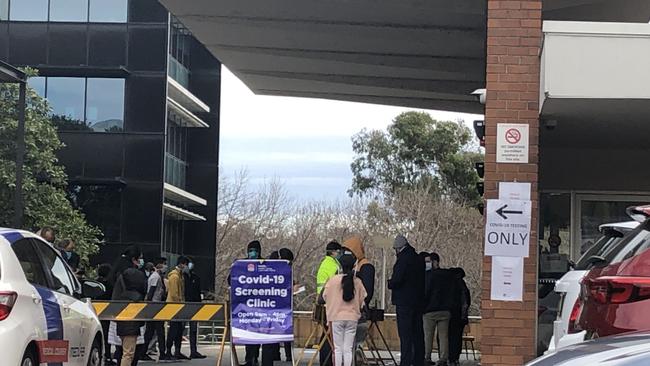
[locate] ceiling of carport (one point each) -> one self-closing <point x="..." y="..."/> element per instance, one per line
<point x="416" y="53"/>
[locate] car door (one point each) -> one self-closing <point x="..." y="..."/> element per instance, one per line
<point x="63" y="287"/>
<point x="44" y="313"/>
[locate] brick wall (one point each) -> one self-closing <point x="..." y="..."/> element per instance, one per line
<point x="513" y="46"/>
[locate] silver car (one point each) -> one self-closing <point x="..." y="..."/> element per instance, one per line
<point x="629" y="349"/>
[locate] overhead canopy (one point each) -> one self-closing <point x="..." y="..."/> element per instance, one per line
<point x="422" y="54"/>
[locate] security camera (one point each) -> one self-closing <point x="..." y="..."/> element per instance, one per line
<point x="480" y="95"/>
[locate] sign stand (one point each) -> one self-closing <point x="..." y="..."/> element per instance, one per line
<point x="318" y="319"/>
<point x="224" y="335"/>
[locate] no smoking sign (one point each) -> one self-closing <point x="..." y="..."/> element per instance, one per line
<point x="512" y="143"/>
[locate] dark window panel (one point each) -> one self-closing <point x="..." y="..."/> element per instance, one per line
<point x="4" y="41"/>
<point x="105" y="104"/>
<point x="144" y="157"/>
<point x="68" y="10"/>
<point x="142" y="213"/>
<point x="35" y="10"/>
<point x="96" y="156"/>
<point x="68" y="44"/>
<point x="28" y="43"/>
<point x="108" y="11"/>
<point x="147" y="49"/>
<point x="146" y="103"/>
<point x="147" y="11"/>
<point x="66" y="97"/>
<point x="102" y="205"/>
<point x="107" y="43"/>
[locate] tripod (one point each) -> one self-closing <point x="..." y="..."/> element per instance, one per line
<point x="376" y="316"/>
<point x="320" y="320"/>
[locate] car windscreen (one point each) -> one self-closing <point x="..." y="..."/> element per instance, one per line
<point x="605" y="243"/>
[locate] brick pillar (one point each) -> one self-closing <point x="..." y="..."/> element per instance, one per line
<point x="508" y="329"/>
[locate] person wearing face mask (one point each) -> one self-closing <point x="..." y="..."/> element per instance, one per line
<point x="193" y="294"/>
<point x="328" y="268"/>
<point x="68" y="254"/>
<point x="130" y="285"/>
<point x="253" y="251"/>
<point x="438" y="296"/>
<point x="176" y="293"/>
<point x="157" y="292"/>
<point x="407" y="287"/>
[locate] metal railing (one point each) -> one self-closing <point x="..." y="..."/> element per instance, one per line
<point x="178" y="72"/>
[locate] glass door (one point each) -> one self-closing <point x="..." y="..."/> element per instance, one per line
<point x="593" y="210"/>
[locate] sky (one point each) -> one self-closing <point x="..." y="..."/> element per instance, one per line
<point x="303" y="142"/>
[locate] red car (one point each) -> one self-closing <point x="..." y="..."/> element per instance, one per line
<point x="616" y="297"/>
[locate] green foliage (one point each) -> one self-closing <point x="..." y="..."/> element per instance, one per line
<point x="45" y="179"/>
<point x="416" y="151"/>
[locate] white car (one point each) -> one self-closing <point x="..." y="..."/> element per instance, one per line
<point x="603" y="250"/>
<point x="42" y="316"/>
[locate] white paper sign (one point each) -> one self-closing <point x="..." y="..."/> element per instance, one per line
<point x="507" y="279"/>
<point x="514" y="191"/>
<point x="512" y="143"/>
<point x="507" y="228"/>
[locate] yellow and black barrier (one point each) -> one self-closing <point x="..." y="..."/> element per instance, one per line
<point x="160" y="311"/>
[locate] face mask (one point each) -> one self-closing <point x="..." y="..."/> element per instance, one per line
<point x="186" y="269"/>
<point x="428" y="266"/>
<point x="68" y="254"/>
<point x="190" y="266"/>
<point x="252" y="254"/>
<point x="140" y="263"/>
<point x="147" y="273"/>
<point x="163" y="269"/>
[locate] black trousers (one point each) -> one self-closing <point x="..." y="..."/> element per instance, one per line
<point x="175" y="337"/>
<point x="288" y="348"/>
<point x="252" y="354"/>
<point x="326" y="354"/>
<point x="270" y="353"/>
<point x="107" y="346"/>
<point x="411" y="335"/>
<point x="157" y="328"/>
<point x="456" y="327"/>
<point x="194" y="327"/>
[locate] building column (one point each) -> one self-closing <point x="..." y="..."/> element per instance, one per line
<point x="514" y="36"/>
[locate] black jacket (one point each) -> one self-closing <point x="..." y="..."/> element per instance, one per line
<point x="73" y="261"/>
<point x="461" y="301"/>
<point x="440" y="290"/>
<point x="192" y="287"/>
<point x="407" y="281"/>
<point x="131" y="285"/>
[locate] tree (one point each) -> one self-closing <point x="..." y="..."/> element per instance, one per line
<point x="45" y="180"/>
<point x="416" y="151"/>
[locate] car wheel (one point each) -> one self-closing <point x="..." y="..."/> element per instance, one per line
<point x="95" y="356"/>
<point x="29" y="358"/>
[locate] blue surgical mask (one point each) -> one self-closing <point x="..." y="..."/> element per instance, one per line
<point x="252" y="254"/>
<point x="140" y="263"/>
<point x="68" y="254"/>
<point x="428" y="266"/>
<point x="190" y="266"/>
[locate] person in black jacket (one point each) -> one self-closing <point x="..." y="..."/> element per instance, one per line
<point x="438" y="292"/>
<point x="103" y="273"/>
<point x="407" y="285"/>
<point x="461" y="301"/>
<point x="130" y="285"/>
<point x="193" y="294"/>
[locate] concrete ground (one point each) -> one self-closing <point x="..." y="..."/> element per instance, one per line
<point x="213" y="351"/>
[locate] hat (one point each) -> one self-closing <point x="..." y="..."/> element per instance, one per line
<point x="255" y="244"/>
<point x="400" y="242"/>
<point x="435" y="257"/>
<point x="286" y="253"/>
<point x="333" y="245"/>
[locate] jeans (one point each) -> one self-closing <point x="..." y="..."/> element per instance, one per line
<point x="343" y="332"/>
<point x="175" y="337"/>
<point x="411" y="335"/>
<point x="128" y="349"/>
<point x="157" y="328"/>
<point x="436" y="320"/>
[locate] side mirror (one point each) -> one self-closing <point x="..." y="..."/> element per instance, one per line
<point x="92" y="289"/>
<point x="596" y="261"/>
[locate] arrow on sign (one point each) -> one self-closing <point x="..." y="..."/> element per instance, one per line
<point x="502" y="212"/>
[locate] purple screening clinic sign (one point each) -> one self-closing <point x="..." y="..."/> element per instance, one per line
<point x="260" y="294"/>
